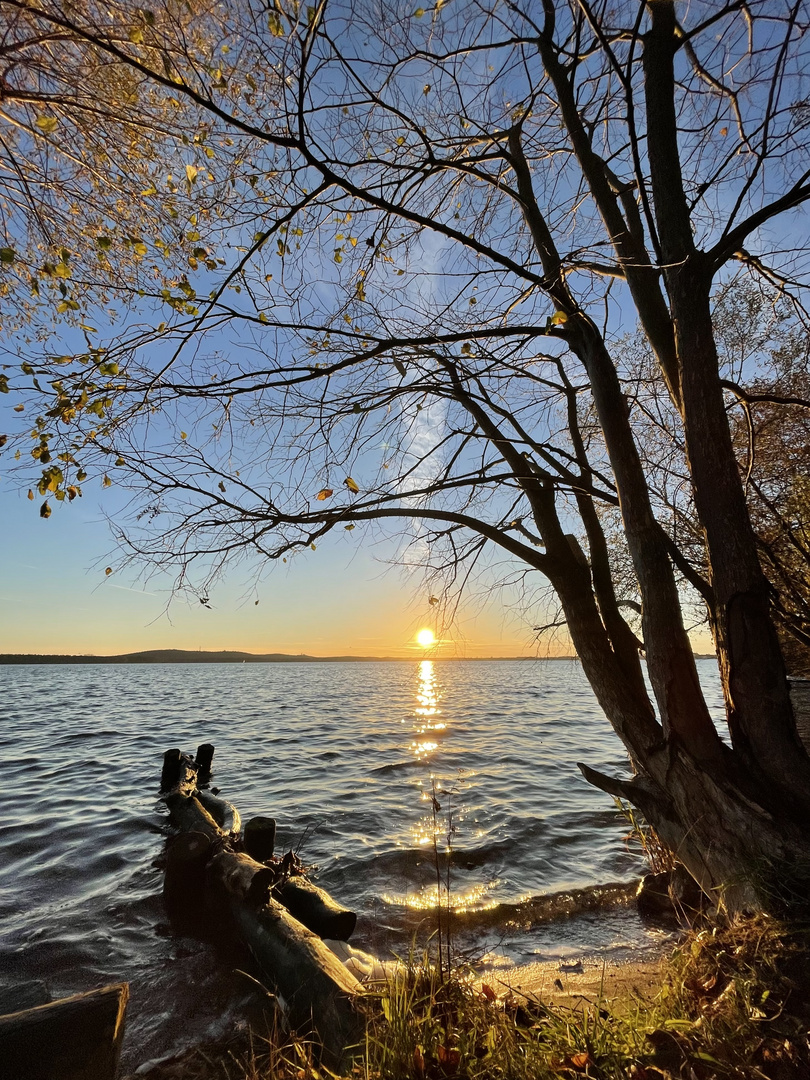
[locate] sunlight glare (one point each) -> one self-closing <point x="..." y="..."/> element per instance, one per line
<point x="426" y="638"/>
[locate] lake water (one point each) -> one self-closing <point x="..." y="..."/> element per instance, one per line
<point x="345" y="757"/>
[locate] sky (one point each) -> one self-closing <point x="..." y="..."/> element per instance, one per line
<point x="340" y="600"/>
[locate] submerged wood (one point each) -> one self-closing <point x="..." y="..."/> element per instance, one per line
<point x="320" y="994"/>
<point x="77" y="1038"/>
<point x="206" y="871"/>
<point x="260" y="838"/>
<point x="315" y="908"/>
<point x="224" y="813"/>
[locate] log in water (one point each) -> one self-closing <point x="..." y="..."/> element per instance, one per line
<point x="77" y="1038"/>
<point x="206" y="872"/>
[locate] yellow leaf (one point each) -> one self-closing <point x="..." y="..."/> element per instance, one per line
<point x="18" y="408"/>
<point x="324" y="493"/>
<point x="183" y="435"/>
<point x="559" y="318"/>
<point x="312" y="546"/>
<point x="191" y="173"/>
<point x="433" y="601"/>
<point x="30" y="495"/>
<point x="106" y="482"/>
<point x="348" y="528"/>
<point x="108" y="571"/>
<point x="351" y="485"/>
<point x="48" y="124"/>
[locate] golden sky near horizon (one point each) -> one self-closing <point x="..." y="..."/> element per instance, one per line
<point x="56" y="598"/>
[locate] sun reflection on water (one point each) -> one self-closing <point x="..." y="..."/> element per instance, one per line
<point x="427" y="712"/>
<point x="471" y="899"/>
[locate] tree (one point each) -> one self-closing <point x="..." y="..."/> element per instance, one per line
<point x="771" y="432"/>
<point x="440" y="222"/>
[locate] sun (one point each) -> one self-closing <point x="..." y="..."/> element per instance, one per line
<point x="426" y="638"/>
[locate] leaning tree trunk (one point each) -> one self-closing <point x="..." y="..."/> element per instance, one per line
<point x="735" y="815"/>
<point x="752" y="669"/>
<point x="736" y="818"/>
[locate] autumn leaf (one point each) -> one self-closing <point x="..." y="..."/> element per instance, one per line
<point x="108" y="571"/>
<point x="324" y="493"/>
<point x="418" y="1061"/>
<point x="449" y="1059"/>
<point x="7" y="255"/>
<point x="191" y="173"/>
<point x="47" y="124"/>
<point x="486" y="989"/>
<point x="351" y="485"/>
<point x="45" y="510"/>
<point x="573" y="1063"/>
<point x="433" y="600"/>
<point x="559" y="318"/>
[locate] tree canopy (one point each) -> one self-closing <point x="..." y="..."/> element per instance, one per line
<point x="373" y="263"/>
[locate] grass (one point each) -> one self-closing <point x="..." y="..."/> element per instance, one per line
<point x="734" y="1003"/>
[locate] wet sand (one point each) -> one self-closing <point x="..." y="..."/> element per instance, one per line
<point x="618" y="985"/>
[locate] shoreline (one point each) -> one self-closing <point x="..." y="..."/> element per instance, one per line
<point x="609" y="983"/>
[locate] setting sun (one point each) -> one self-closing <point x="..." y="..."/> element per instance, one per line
<point x="426" y="638"/>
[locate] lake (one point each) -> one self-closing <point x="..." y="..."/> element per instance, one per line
<point x="345" y="757"/>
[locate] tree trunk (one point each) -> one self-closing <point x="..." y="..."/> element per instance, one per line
<point x="760" y="716"/>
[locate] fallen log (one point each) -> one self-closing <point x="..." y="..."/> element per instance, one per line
<point x="207" y="871"/>
<point x="224" y="813"/>
<point x="319" y="993"/>
<point x="312" y="906"/>
<point x="260" y="838"/>
<point x="77" y="1038"/>
<point x="315" y="908"/>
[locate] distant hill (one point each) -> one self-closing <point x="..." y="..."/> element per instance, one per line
<point x="181" y="656"/>
<point x="185" y="656"/>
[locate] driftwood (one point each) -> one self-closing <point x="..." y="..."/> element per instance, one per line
<point x="77" y="1038"/>
<point x="278" y="914"/>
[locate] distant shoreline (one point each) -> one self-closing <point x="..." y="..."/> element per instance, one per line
<point x="188" y="656"/>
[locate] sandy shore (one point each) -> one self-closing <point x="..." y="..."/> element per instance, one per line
<point x="614" y="985"/>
